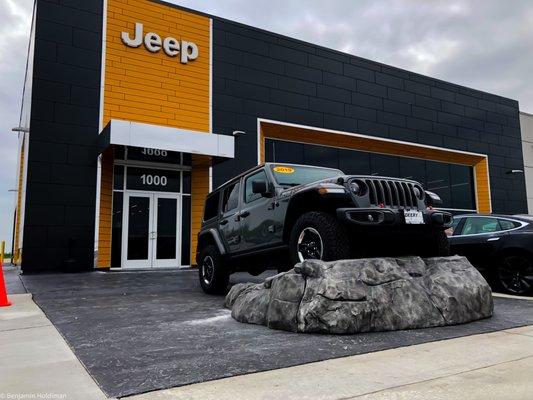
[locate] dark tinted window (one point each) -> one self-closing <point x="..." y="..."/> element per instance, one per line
<point x="287" y="152"/>
<point x="384" y="165"/>
<point x="354" y="162"/>
<point x="461" y="186"/>
<point x="411" y="168"/>
<point x="322" y="156"/>
<point x="438" y="180"/>
<point x="167" y="219"/>
<point x="452" y="182"/>
<point x="258" y="176"/>
<point x="138" y="227"/>
<point x="186" y="159"/>
<point x="230" y="201"/>
<point x="187" y="182"/>
<point x="505" y="224"/>
<point x="118" y="178"/>
<point x="478" y="225"/>
<point x="119" y="152"/>
<point x="453" y="230"/>
<point x="211" y="206"/>
<point x="116" y="230"/>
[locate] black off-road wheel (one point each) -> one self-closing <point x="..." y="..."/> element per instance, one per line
<point x="318" y="236"/>
<point x="514" y="273"/>
<point x="212" y="272"/>
<point x="437" y="244"/>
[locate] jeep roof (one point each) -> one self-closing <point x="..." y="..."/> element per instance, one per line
<point x="267" y="164"/>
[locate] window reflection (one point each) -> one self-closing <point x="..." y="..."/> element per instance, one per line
<point x="461" y="185"/>
<point x="383" y="165"/>
<point x="438" y="180"/>
<point x="411" y="168"/>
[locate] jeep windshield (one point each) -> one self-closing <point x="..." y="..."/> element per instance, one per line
<point x="295" y="175"/>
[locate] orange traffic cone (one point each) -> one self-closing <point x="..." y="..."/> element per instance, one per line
<point x="4" y="301"/>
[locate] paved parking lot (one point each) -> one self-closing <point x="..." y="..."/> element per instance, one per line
<point x="142" y="331"/>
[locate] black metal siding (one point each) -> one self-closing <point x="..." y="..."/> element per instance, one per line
<point x="61" y="181"/>
<point x="261" y="74"/>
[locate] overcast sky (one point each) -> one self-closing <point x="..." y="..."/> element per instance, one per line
<point x="484" y="44"/>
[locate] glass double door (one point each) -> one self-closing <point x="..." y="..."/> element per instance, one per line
<point x="151" y="230"/>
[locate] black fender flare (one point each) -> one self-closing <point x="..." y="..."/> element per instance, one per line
<point x="213" y="233"/>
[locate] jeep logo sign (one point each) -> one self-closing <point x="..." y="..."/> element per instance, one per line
<point x="152" y="41"/>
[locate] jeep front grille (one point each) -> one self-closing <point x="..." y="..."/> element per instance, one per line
<point x="391" y="193"/>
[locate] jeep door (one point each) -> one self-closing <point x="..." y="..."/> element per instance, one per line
<point x="261" y="222"/>
<point x="230" y="224"/>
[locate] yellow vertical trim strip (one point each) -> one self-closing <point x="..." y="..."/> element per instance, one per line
<point x="17" y="257"/>
<point x="481" y="173"/>
<point x="105" y="218"/>
<point x="199" y="191"/>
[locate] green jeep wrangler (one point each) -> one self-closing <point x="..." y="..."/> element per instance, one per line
<point x="276" y="215"/>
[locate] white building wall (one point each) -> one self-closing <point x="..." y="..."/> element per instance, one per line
<point x="526" y="126"/>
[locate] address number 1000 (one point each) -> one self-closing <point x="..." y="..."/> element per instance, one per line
<point x="155" y="180"/>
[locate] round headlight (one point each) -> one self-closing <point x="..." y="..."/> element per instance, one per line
<point x="355" y="188"/>
<point x="418" y="192"/>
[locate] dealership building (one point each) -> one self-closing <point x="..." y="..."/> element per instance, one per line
<point x="133" y="110"/>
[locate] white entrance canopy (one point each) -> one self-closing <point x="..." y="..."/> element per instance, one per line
<point x="135" y="134"/>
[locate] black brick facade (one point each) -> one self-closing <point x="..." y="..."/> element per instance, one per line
<point x="62" y="159"/>
<point x="259" y="74"/>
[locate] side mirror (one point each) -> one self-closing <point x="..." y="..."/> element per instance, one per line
<point x="260" y="187"/>
<point x="433" y="199"/>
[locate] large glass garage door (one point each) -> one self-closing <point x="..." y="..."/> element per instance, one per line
<point x="454" y="183"/>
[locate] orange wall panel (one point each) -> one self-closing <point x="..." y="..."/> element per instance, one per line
<point x="199" y="191"/>
<point x="106" y="199"/>
<point x="154" y="88"/>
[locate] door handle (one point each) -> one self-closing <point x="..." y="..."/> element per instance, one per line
<point x="272" y="205"/>
<point x="244" y="214"/>
<point x="493" y="239"/>
<point x="224" y="222"/>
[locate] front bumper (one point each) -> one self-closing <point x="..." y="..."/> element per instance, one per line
<point x="392" y="217"/>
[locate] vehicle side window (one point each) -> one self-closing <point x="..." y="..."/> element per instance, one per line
<point x="505" y="224"/>
<point x="477" y="225"/>
<point x="211" y="206"/>
<point x="248" y="195"/>
<point x="230" y="200"/>
<point x="453" y="230"/>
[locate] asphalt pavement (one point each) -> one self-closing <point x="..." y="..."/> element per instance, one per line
<point x="142" y="331"/>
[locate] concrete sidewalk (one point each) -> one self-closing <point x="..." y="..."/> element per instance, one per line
<point x="34" y="358"/>
<point x="496" y="365"/>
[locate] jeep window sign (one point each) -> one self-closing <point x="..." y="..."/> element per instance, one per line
<point x="153" y="43"/>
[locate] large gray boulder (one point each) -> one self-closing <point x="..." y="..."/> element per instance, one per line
<point x="373" y="294"/>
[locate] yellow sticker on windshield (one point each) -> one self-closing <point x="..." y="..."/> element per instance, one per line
<point x="284" y="170"/>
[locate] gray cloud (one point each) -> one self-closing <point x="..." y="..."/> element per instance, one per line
<point x="484" y="44"/>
